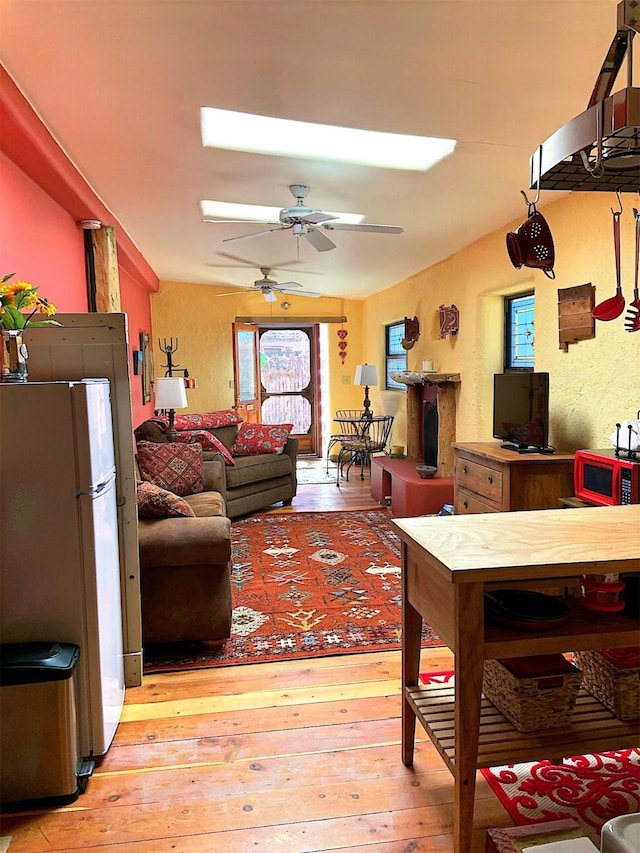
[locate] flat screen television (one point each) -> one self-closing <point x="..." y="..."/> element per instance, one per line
<point x="521" y="411"/>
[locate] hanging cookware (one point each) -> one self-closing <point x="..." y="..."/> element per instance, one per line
<point x="632" y="320"/>
<point x="531" y="245"/>
<point x="614" y="305"/>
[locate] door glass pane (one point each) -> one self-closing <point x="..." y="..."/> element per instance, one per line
<point x="288" y="409"/>
<point x="284" y="361"/>
<point x="285" y="373"/>
<point x="246" y="364"/>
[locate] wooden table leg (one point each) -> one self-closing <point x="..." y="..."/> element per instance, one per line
<point x="469" y="629"/>
<point x="411" y="634"/>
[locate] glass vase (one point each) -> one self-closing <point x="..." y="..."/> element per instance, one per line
<point x="13" y="356"/>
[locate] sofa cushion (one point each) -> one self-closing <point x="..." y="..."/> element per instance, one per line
<point x="155" y="502"/>
<point x="206" y="504"/>
<point x="227" y="435"/>
<point x="208" y="420"/>
<point x="207" y="440"/>
<point x="254" y="469"/>
<point x="260" y="438"/>
<point x="172" y="466"/>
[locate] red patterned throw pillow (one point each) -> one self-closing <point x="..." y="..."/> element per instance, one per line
<point x="154" y="502"/>
<point x="208" y="420"/>
<point x="208" y="442"/>
<point x="260" y="438"/>
<point x="173" y="466"/>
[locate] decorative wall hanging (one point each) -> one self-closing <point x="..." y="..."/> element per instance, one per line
<point x="575" y="321"/>
<point x="411" y="332"/>
<point x="342" y="344"/>
<point x="449" y="320"/>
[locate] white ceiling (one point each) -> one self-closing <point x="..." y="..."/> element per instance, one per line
<point x="120" y="85"/>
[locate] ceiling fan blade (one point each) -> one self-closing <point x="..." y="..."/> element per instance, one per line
<point x="289" y="284"/>
<point x="269" y="296"/>
<point x="213" y="221"/>
<point x="380" y="229"/>
<point x="319" y="241"/>
<point x="299" y="292"/>
<point x="316" y="217"/>
<point x="234" y="292"/>
<point x="253" y="234"/>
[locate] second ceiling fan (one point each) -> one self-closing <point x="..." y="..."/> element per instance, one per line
<point x="304" y="222"/>
<point x="268" y="287"/>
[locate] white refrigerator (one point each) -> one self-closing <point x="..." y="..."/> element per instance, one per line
<point x="59" y="562"/>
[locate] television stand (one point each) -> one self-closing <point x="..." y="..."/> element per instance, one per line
<point x="489" y="478"/>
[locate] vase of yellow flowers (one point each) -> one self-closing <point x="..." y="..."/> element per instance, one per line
<point x="19" y="303"/>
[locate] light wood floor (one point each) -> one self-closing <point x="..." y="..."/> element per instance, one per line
<point x="285" y="757"/>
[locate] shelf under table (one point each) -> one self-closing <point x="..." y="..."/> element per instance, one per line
<point x="593" y="728"/>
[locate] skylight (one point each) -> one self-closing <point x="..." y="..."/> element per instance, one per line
<point x="286" y="138"/>
<point x="259" y="213"/>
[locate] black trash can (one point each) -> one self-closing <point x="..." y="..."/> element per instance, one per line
<point x="38" y="725"/>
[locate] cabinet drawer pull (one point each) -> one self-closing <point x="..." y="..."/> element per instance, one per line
<point x="489" y="479"/>
<point x="464" y="469"/>
<point x="465" y="504"/>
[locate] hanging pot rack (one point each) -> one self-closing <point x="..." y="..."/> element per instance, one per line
<point x="598" y="150"/>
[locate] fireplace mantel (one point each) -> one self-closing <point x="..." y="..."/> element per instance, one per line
<point x="446" y="406"/>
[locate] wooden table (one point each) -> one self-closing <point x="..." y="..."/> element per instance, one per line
<point x="448" y="562"/>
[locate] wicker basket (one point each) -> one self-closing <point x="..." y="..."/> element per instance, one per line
<point x="535" y="703"/>
<point x="617" y="687"/>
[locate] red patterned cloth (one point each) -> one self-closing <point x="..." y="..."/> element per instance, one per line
<point x="154" y="502"/>
<point x="208" y="420"/>
<point x="175" y="467"/>
<point x="207" y="440"/>
<point x="260" y="438"/>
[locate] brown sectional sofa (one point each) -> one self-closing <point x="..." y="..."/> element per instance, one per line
<point x="185" y="570"/>
<point x="253" y="482"/>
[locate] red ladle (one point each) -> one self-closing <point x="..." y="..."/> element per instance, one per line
<point x="614" y="305"/>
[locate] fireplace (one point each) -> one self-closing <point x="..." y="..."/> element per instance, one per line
<point x="431" y="420"/>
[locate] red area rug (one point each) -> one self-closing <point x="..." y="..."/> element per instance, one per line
<point x="590" y="788"/>
<point x="305" y="585"/>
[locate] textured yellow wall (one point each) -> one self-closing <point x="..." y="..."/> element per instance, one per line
<point x="594" y="384"/>
<point x="202" y="320"/>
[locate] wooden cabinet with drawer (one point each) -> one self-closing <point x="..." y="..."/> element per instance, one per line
<point x="490" y="479"/>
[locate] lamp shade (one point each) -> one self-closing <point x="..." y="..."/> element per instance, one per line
<point x="366" y="375"/>
<point x="170" y="393"/>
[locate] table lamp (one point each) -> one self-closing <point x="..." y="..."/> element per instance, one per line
<point x="366" y="375"/>
<point x="171" y="395"/>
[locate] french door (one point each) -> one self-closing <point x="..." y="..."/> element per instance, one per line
<point x="277" y="378"/>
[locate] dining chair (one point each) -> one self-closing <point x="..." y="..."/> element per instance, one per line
<point x="373" y="438"/>
<point x="348" y="429"/>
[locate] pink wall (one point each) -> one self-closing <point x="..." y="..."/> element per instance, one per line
<point x="40" y="242"/>
<point x="42" y="197"/>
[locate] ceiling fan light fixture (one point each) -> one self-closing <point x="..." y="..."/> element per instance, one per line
<point x="237" y="131"/>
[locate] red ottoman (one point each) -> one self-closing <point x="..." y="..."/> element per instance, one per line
<point x="410" y="494"/>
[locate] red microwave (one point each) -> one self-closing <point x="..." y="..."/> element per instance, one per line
<point x="600" y="477"/>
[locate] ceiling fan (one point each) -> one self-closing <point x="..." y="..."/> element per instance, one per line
<point x="305" y="221"/>
<point x="268" y="287"/>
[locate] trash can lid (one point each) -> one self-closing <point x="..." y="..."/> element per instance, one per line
<point x="28" y="663"/>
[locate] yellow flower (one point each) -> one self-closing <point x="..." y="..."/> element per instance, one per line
<point x="21" y="296"/>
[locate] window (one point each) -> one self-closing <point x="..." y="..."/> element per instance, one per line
<point x="519" y="332"/>
<point x="395" y="355"/>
